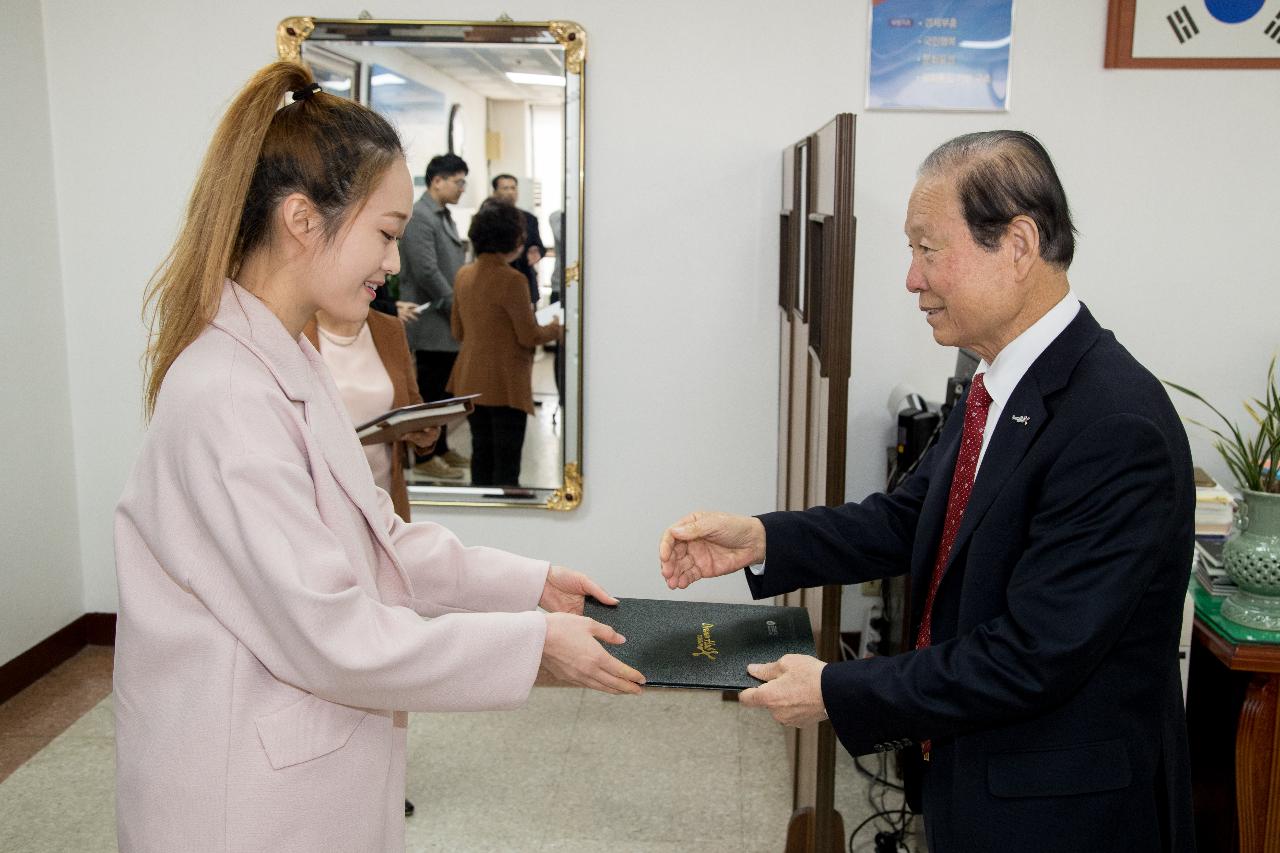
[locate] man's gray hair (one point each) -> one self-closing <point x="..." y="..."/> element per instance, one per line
<point x="1000" y="174"/>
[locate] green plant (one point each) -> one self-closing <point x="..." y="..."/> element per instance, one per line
<point x="1253" y="461"/>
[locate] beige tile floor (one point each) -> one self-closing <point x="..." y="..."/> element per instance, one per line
<point x="572" y="772"/>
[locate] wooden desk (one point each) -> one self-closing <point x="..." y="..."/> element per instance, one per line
<point x="1247" y="689"/>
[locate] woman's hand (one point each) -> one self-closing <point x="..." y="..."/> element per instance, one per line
<point x="407" y="311"/>
<point x="572" y="654"/>
<point x="559" y="329"/>
<point x="424" y="439"/>
<point x="565" y="591"/>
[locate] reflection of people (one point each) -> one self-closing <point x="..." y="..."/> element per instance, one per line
<point x="495" y="324"/>
<point x="270" y="634"/>
<point x="507" y="189"/>
<point x="1043" y="697"/>
<point x="371" y="366"/>
<point x="430" y="256"/>
<point x="557" y="293"/>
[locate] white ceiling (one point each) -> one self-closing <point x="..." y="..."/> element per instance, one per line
<point x="484" y="68"/>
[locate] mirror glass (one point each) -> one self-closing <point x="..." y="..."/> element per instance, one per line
<point x="506" y="98"/>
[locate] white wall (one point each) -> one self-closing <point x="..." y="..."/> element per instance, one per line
<point x="39" y="549"/>
<point x="510" y="121"/>
<point x="1171" y="174"/>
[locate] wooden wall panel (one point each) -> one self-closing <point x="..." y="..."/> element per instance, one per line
<point x="797" y="452"/>
<point x="815" y="287"/>
<point x="784" y="408"/>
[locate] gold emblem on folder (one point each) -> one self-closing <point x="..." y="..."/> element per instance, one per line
<point x="706" y="645"/>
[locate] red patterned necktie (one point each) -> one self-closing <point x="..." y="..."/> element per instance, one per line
<point x="975" y="423"/>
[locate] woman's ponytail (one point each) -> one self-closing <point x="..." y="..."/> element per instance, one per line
<point x="328" y="147"/>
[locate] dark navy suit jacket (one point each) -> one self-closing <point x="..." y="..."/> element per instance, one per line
<point x="1051" y="692"/>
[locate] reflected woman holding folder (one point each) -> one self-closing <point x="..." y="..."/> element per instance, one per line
<point x="270" y="635"/>
<point x="371" y="365"/>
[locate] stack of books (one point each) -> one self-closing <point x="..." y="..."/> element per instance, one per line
<point x="1215" y="517"/>
<point x="1215" y="507"/>
<point x="1208" y="568"/>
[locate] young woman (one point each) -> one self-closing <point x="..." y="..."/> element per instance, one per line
<point x="270" y="634"/>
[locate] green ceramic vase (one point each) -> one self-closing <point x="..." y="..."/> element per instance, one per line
<point x="1252" y="560"/>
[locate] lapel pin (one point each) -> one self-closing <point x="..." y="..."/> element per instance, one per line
<point x="1022" y="420"/>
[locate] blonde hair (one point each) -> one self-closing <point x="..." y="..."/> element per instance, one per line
<point x="329" y="148"/>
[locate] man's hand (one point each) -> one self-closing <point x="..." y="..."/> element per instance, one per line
<point x="532" y="256"/>
<point x="573" y="655"/>
<point x="792" y="692"/>
<point x="407" y="311"/>
<point x="424" y="439"/>
<point x="707" y="545"/>
<point x="565" y="590"/>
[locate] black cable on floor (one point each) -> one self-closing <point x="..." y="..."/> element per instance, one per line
<point x="894" y="837"/>
<point x="898" y="818"/>
<point x="874" y="777"/>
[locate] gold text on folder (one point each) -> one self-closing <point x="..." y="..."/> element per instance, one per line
<point x="706" y="645"/>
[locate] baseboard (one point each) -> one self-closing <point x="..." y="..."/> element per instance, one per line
<point x="91" y="629"/>
<point x="99" y="629"/>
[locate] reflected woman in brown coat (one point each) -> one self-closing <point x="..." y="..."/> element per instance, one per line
<point x="494" y="323"/>
<point x="371" y="365"/>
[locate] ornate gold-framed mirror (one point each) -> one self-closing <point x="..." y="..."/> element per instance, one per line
<point x="508" y="98"/>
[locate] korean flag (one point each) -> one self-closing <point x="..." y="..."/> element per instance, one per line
<point x="1207" y="28"/>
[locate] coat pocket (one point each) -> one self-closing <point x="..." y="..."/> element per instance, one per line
<point x="1085" y="769"/>
<point x="307" y="729"/>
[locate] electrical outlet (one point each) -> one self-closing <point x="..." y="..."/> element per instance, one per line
<point x="871" y="632"/>
<point x="872" y="589"/>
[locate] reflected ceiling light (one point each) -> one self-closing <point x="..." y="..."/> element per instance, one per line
<point x="986" y="45"/>
<point x="386" y="79"/>
<point x="535" y="79"/>
<point x="343" y="85"/>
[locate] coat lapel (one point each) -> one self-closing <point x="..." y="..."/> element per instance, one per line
<point x="391" y="352"/>
<point x="933" y="515"/>
<point x="1012" y="439"/>
<point x="303" y="376"/>
<point x="246" y="318"/>
<point x="1009" y="443"/>
<point x="336" y="435"/>
<point x="438" y="212"/>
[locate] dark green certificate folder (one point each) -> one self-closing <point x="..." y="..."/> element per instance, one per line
<point x="700" y="644"/>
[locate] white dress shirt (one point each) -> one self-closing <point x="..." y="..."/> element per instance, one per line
<point x="1013" y="362"/>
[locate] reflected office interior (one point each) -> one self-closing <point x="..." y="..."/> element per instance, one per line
<point x="501" y="107"/>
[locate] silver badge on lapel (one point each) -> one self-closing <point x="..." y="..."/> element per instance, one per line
<point x="1022" y="420"/>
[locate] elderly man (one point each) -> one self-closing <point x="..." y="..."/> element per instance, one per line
<point x="506" y="189"/>
<point x="1047" y="536"/>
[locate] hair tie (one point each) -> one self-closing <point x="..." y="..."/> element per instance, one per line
<point x="305" y="92"/>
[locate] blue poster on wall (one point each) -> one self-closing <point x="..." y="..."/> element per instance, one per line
<point x="939" y="55"/>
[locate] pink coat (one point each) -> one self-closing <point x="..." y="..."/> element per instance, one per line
<point x="270" y="634"/>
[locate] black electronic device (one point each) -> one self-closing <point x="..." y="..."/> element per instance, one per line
<point x="915" y="429"/>
<point x="967" y="362"/>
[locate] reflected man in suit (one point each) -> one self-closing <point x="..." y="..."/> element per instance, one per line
<point x="1047" y="536"/>
<point x="507" y="190"/>
<point x="431" y="253"/>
